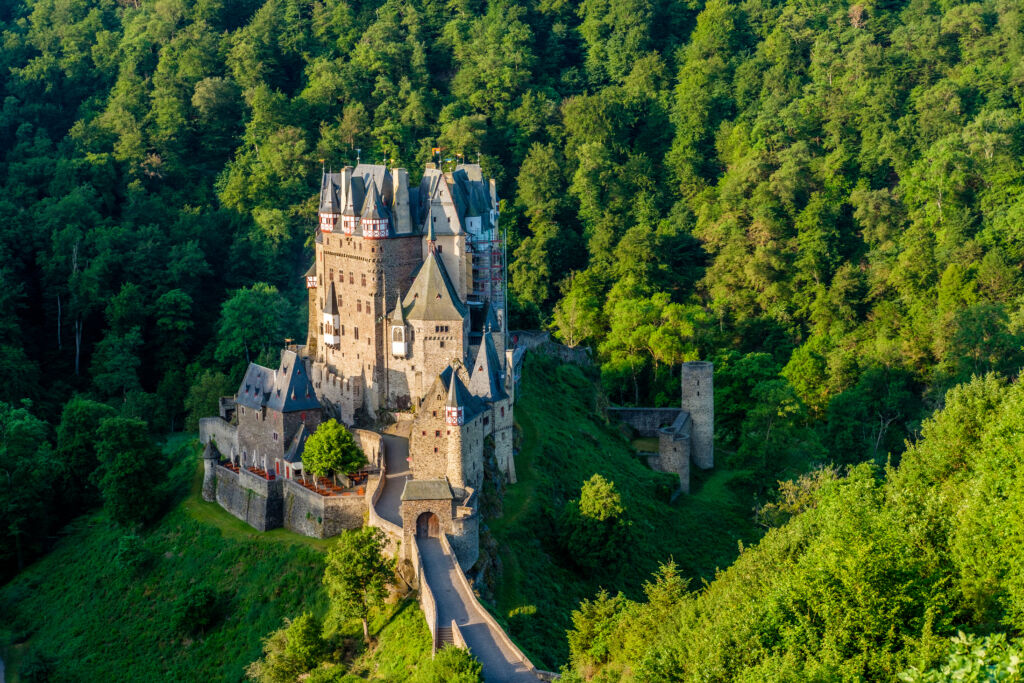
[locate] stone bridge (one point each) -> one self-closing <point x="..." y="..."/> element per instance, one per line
<point x="453" y="612"/>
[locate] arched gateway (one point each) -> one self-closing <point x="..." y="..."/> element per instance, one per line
<point x="427" y="526"/>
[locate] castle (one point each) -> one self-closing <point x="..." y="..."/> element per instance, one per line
<point x="407" y="321"/>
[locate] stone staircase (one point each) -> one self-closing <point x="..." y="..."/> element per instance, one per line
<point x="444" y="636"/>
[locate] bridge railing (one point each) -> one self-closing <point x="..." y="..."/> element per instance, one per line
<point x="427" y="602"/>
<point x="484" y="614"/>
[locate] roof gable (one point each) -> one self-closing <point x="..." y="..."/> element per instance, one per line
<point x="431" y="295"/>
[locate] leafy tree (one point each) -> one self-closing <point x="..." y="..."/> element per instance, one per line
<point x="132" y="471"/>
<point x="251" y="321"/>
<point x="290" y="651"/>
<point x="204" y="396"/>
<point x="357" y="576"/>
<point x="77" y="436"/>
<point x="593" y="527"/>
<point x="451" y="663"/>
<point x="973" y="658"/>
<point x="331" y="448"/>
<point x="27" y="465"/>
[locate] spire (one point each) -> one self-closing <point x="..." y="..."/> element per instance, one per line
<point x="454" y="409"/>
<point x="486" y="380"/>
<point x="331" y="305"/>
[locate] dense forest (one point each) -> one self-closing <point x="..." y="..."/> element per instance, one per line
<point x="823" y="198"/>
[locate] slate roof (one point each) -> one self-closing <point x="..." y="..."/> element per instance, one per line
<point x="297" y="446"/>
<point x="287" y="389"/>
<point x="459" y="396"/>
<point x="427" y="489"/>
<point x="373" y="206"/>
<point x="486" y="380"/>
<point x="331" y="304"/>
<point x="210" y="452"/>
<point x="431" y="295"/>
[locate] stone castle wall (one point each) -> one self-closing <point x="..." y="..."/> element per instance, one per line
<point x="697" y="381"/>
<point x="307" y="512"/>
<point x="674" y="457"/>
<point x="646" y="421"/>
<point x="222" y="432"/>
<point x="250" y="498"/>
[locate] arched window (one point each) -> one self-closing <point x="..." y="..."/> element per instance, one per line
<point x="398" y="334"/>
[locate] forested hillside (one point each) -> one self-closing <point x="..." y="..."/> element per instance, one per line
<point x="824" y="198"/>
<point x="866" y="580"/>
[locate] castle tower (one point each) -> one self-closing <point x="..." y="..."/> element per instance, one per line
<point x="697" y="381"/>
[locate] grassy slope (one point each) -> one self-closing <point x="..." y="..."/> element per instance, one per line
<point x="103" y="624"/>
<point x="564" y="441"/>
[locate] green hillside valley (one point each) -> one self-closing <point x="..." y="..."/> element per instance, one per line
<point x="579" y="340"/>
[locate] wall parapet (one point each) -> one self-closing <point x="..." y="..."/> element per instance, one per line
<point x="457" y="638"/>
<point x="485" y="615"/>
<point x="427" y="602"/>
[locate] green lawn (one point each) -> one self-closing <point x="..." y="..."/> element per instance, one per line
<point x="98" y="621"/>
<point x="563" y="442"/>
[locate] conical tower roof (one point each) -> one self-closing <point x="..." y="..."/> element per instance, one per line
<point x="329" y="200"/>
<point x="331" y="305"/>
<point x="373" y="206"/>
<point x="486" y="380"/>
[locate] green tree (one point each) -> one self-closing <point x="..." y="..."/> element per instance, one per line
<point x="27" y="465"/>
<point x="290" y="651"/>
<point x="132" y="471"/>
<point x="77" y="436"/>
<point x="251" y="321"/>
<point x="450" y="663"/>
<point x="204" y="396"/>
<point x="593" y="527"/>
<point x="357" y="576"/>
<point x="331" y="448"/>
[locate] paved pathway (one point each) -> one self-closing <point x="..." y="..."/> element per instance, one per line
<point x="396" y="450"/>
<point x="453" y="602"/>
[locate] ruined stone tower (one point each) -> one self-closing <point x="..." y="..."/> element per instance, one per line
<point x="698" y="400"/>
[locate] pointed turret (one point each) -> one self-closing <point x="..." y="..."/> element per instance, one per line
<point x="330" y="203"/>
<point x="487" y="381"/>
<point x="374" y="220"/>
<point x="454" y="407"/>
<point x="351" y="200"/>
<point x="331" y="318"/>
<point x="398" y="331"/>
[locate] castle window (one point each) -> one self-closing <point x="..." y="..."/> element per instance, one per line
<point x="359" y="306"/>
<point x="363" y="278"/>
<point x="449" y="432"/>
<point x="486" y="420"/>
<point x="442" y="344"/>
<point x="332" y="275"/>
<point x="355" y="331"/>
<point x="435" y="449"/>
<point x="350" y="280"/>
<point x="424" y="432"/>
<point x="503" y="411"/>
<point x="434" y="414"/>
<point x="343" y="330"/>
<point x="437" y="432"/>
<point x="275" y="436"/>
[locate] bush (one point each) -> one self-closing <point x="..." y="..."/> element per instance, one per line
<point x="132" y="554"/>
<point x="36" y="666"/>
<point x="451" y="665"/>
<point x="197" y="610"/>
